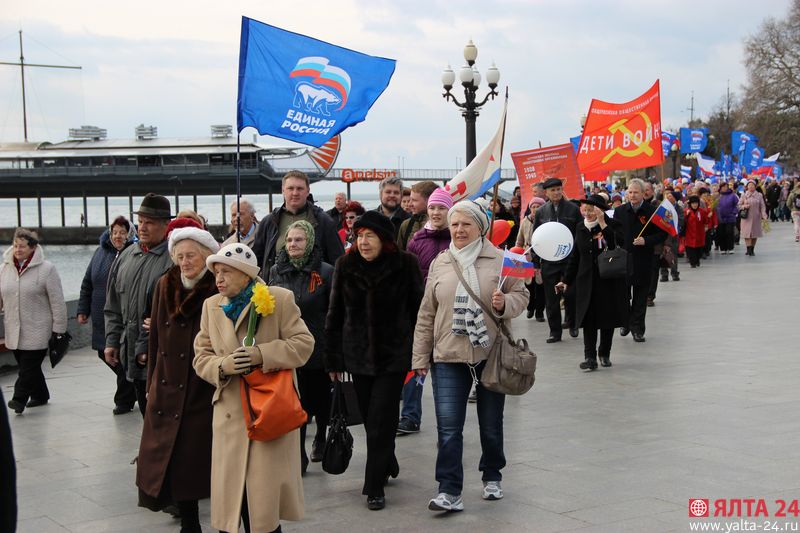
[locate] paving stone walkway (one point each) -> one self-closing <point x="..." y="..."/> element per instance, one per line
<point x="706" y="408"/>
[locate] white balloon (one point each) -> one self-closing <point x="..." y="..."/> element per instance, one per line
<point x="552" y="241"/>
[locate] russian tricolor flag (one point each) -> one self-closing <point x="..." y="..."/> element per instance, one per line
<point x="666" y="218"/>
<point x="516" y="266"/>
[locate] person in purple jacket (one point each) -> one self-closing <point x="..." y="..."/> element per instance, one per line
<point x="426" y="244"/>
<point x="727" y="210"/>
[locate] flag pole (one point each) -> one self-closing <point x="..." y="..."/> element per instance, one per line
<point x="496" y="188"/>
<point x="238" y="190"/>
<point x="645" y="225"/>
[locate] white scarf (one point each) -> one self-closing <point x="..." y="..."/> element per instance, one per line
<point x="590" y="225"/>
<point x="468" y="316"/>
<point x="189" y="284"/>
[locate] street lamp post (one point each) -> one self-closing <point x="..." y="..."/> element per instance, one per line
<point x="470" y="79"/>
<point x="674" y="153"/>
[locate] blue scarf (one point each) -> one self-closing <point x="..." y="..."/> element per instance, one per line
<point x="237" y="304"/>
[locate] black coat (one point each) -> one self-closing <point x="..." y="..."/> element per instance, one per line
<point x="600" y="303"/>
<point x="642" y="257"/>
<point x="311" y="286"/>
<point x="93" y="288"/>
<point x="8" y="474"/>
<point x="326" y="235"/>
<point x="569" y="215"/>
<point x="373" y="311"/>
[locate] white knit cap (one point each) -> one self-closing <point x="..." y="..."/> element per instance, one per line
<point x="236" y="255"/>
<point x="472" y="209"/>
<point x="200" y="236"/>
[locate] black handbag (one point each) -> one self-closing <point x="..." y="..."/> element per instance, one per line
<point x="58" y="346"/>
<point x="613" y="263"/>
<point x="339" y="444"/>
<point x="352" y="412"/>
<point x="744" y="212"/>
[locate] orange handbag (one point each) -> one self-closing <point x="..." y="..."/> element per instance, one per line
<point x="271" y="404"/>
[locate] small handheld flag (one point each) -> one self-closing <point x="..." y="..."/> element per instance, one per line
<point x="516" y="266"/>
<point x="666" y="218"/>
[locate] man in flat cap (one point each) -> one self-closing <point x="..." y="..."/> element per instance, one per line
<point x="561" y="210"/>
<point x="132" y="275"/>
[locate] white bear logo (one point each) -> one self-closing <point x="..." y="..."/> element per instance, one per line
<point x="316" y="99"/>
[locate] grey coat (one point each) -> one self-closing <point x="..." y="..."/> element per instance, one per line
<point x="133" y="274"/>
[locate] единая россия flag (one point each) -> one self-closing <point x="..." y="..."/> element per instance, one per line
<point x="301" y="89"/>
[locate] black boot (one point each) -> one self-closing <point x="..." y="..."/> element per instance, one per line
<point x="589" y="364"/>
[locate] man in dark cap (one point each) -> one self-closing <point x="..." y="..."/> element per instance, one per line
<point x="561" y="210"/>
<point x="132" y="276"/>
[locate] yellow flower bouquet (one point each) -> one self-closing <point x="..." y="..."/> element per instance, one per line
<point x="262" y="303"/>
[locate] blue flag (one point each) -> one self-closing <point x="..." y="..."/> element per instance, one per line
<point x="739" y="139"/>
<point x="693" y="140"/>
<point x="302" y="89"/>
<point x="752" y="156"/>
<point x="576" y="142"/>
<point x="667" y="140"/>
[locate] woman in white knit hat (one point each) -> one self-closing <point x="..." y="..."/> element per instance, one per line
<point x="174" y="465"/>
<point x="256" y="480"/>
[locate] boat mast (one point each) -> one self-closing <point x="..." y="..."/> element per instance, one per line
<point x="22" y="64"/>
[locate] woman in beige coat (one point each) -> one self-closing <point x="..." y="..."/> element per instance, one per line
<point x="33" y="309"/>
<point x="452" y="340"/>
<point x="259" y="481"/>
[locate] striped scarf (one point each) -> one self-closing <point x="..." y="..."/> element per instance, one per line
<point x="468" y="316"/>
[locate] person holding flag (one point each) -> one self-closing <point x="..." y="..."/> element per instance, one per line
<point x="640" y="236"/>
<point x="600" y="304"/>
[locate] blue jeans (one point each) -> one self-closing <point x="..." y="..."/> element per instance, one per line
<point x="451" y="386"/>
<point x="412" y="401"/>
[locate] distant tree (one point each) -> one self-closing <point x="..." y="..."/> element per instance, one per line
<point x="771" y="102"/>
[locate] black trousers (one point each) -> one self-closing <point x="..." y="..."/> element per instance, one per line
<point x="379" y="401"/>
<point x="654" y="278"/>
<point x="725" y="235"/>
<point x="315" y="397"/>
<point x="125" y="395"/>
<point x="590" y="348"/>
<point x="694" y="255"/>
<point x="140" y="388"/>
<point x="638" y="312"/>
<point x="8" y="473"/>
<point x="553" y="301"/>
<point x="30" y="382"/>
<point x="536" y="300"/>
<point x="711" y="237"/>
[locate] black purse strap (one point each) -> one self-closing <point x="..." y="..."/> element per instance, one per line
<point x="489" y="312"/>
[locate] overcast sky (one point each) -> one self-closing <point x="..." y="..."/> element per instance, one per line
<point x="174" y="65"/>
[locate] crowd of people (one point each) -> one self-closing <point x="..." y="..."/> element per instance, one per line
<point x="390" y="296"/>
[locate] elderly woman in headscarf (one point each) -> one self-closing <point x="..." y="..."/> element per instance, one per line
<point x="374" y="301"/>
<point x="256" y="480"/>
<point x="174" y="463"/>
<point x="452" y="340"/>
<point x="300" y="268"/>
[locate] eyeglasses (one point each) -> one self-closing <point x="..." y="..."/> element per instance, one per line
<point x="350" y="217"/>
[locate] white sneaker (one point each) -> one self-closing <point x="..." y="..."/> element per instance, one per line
<point x="492" y="490"/>
<point x="446" y="502"/>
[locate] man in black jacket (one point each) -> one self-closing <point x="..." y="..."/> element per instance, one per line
<point x="561" y="210"/>
<point x="271" y="230"/>
<point x="391" y="193"/>
<point x="337" y="211"/>
<point x="634" y="216"/>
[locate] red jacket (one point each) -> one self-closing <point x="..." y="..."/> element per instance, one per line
<point x="696" y="224"/>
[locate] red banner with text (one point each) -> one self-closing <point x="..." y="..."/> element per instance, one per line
<point x="534" y="166"/>
<point x="622" y="136"/>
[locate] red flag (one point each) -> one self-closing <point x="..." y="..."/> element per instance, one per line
<point x="622" y="136"/>
<point x="534" y="166"/>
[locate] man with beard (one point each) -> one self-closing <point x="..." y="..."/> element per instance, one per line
<point x="391" y="192"/>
